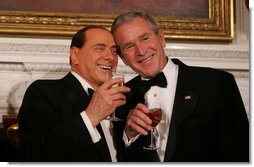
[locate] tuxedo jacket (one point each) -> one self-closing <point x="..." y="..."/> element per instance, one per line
<point x="51" y="128"/>
<point x="210" y="125"/>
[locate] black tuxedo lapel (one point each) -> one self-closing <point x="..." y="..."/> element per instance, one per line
<point x="184" y="104"/>
<point x="185" y="101"/>
<point x="102" y="146"/>
<point x="80" y="100"/>
<point x="76" y="94"/>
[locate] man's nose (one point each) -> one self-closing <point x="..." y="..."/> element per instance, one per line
<point x="109" y="55"/>
<point x="140" y="48"/>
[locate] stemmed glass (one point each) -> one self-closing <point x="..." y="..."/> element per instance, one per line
<point x="113" y="117"/>
<point x="155" y="114"/>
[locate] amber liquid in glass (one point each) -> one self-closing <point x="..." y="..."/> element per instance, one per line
<point x="119" y="84"/>
<point x="155" y="115"/>
<point x="113" y="116"/>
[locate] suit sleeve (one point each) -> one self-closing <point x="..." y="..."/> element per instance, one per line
<point x="49" y="131"/>
<point x="234" y="123"/>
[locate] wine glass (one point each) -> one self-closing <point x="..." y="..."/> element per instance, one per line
<point x="113" y="117"/>
<point x="155" y="114"/>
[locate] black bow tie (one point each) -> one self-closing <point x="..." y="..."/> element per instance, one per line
<point x="158" y="80"/>
<point x="90" y="92"/>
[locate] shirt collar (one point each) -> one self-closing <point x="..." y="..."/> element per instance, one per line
<point x="169" y="71"/>
<point x="83" y="82"/>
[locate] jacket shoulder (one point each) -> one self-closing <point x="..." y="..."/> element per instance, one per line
<point x="201" y="71"/>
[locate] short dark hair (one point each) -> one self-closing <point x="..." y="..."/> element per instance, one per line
<point x="129" y="16"/>
<point x="79" y="39"/>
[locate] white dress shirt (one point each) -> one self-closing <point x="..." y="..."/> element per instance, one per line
<point x="105" y="124"/>
<point x="166" y="96"/>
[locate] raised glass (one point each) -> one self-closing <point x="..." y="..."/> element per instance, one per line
<point x="113" y="117"/>
<point x="155" y="114"/>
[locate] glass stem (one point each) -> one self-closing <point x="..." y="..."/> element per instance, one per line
<point x="152" y="137"/>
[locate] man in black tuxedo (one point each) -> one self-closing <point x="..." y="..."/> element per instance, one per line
<point x="204" y="118"/>
<point x="59" y="121"/>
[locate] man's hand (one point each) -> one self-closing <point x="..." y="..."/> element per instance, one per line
<point x="105" y="100"/>
<point x="138" y="122"/>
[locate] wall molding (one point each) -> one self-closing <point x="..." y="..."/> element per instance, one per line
<point x="64" y="68"/>
<point x="223" y="57"/>
<point x="29" y="56"/>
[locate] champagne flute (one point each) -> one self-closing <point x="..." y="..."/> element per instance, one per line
<point x="113" y="117"/>
<point x="155" y="114"/>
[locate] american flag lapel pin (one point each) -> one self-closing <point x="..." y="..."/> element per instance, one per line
<point x="187" y="97"/>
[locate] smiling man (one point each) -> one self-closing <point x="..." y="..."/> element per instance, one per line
<point x="59" y="120"/>
<point x="204" y="115"/>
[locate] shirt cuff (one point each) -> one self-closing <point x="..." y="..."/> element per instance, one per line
<point x="128" y="142"/>
<point x="95" y="135"/>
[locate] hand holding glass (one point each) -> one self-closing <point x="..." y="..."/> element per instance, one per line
<point x="116" y="75"/>
<point x="155" y="114"/>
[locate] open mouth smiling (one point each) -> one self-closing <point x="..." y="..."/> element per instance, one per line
<point x="146" y="60"/>
<point x="104" y="67"/>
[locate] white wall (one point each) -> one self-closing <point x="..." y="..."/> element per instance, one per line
<point x="23" y="60"/>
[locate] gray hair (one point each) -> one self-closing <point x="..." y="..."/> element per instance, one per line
<point x="129" y="16"/>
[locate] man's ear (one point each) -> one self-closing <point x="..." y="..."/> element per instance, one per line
<point x="74" y="55"/>
<point x="162" y="39"/>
